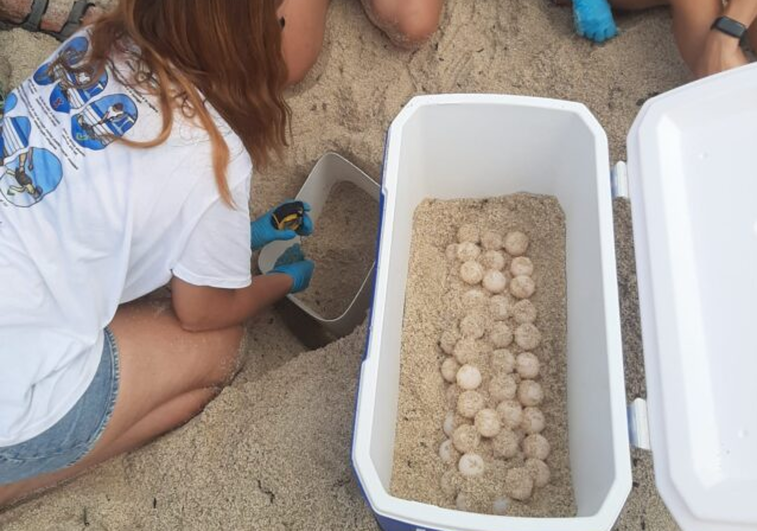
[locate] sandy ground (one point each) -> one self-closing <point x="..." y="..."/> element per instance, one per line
<point x="436" y="303"/>
<point x="272" y="452"/>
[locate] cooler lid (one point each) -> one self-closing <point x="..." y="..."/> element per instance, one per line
<point x="693" y="186"/>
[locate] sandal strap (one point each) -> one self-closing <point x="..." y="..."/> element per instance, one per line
<point x="36" y="13"/>
<point x="74" y="18"/>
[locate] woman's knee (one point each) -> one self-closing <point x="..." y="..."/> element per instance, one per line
<point x="409" y="23"/>
<point x="302" y="37"/>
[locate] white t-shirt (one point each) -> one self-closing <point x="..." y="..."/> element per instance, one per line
<point x="88" y="223"/>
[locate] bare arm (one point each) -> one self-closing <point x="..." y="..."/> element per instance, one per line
<point x="722" y="52"/>
<point x="204" y="308"/>
<point x="745" y="11"/>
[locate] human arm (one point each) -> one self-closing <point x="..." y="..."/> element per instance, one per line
<point x="201" y="308"/>
<point x="212" y="282"/>
<point x="721" y="51"/>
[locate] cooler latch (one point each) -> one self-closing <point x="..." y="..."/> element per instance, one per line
<point x="619" y="180"/>
<point x="638" y="424"/>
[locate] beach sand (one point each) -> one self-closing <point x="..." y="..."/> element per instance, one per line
<point x="272" y="452"/>
<point x="436" y="303"/>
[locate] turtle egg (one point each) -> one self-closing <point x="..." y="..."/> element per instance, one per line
<point x="521" y="266"/>
<point x="472" y="272"/>
<point x="466" y="438"/>
<point x="468" y="233"/>
<point x="491" y="240"/>
<point x="500" y="505"/>
<point x="471" y="465"/>
<point x="530" y="393"/>
<point x="536" y="446"/>
<point x="519" y="484"/>
<point x="466" y="350"/>
<point x="503" y="361"/>
<point x="503" y="387"/>
<point x="469" y="403"/>
<point x="505" y="444"/>
<point x="516" y="243"/>
<point x="468" y="251"/>
<point x="501" y="335"/>
<point x="493" y="260"/>
<point x="527" y="365"/>
<point x="494" y="281"/>
<point x="448" y="341"/>
<point x="533" y="420"/>
<point x="510" y="413"/>
<point x="527" y="336"/>
<point x="450" y="366"/>
<point x="522" y="287"/>
<point x="449" y="424"/>
<point x="472" y="326"/>
<point x="448" y="452"/>
<point x="499" y="307"/>
<point x="539" y="472"/>
<point x="524" y="312"/>
<point x="468" y="377"/>
<point x="465" y="502"/>
<point x="487" y="423"/>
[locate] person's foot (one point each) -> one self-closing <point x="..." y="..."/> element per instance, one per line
<point x="59" y="18"/>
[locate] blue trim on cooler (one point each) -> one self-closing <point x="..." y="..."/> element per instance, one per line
<point x="387" y="524"/>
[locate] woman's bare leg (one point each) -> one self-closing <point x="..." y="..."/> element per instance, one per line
<point x="691" y="22"/>
<point x="304" y="27"/>
<point x="408" y="23"/>
<point x="167" y="376"/>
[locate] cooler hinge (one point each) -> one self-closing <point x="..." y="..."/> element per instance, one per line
<point x="638" y="424"/>
<point x="619" y="180"/>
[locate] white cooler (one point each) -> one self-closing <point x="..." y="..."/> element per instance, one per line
<point x="693" y="187"/>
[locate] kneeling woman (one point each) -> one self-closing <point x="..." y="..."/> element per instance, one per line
<point x="126" y="165"/>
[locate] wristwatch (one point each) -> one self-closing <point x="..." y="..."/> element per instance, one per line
<point x="731" y="27"/>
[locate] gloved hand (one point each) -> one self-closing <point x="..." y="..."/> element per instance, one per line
<point x="263" y="232"/>
<point x="593" y="20"/>
<point x="293" y="263"/>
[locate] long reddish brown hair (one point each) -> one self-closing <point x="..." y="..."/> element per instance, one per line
<point x="227" y="52"/>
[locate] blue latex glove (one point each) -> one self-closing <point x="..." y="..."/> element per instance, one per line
<point x="262" y="230"/>
<point x="593" y="19"/>
<point x="293" y="263"/>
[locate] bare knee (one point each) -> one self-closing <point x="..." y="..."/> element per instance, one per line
<point x="419" y="27"/>
<point x="300" y="60"/>
<point x="409" y="23"/>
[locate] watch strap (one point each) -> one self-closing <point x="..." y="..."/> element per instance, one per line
<point x="729" y="26"/>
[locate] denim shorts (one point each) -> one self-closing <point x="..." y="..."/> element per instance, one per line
<point x="73" y="436"/>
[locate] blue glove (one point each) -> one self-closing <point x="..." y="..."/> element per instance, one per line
<point x="263" y="232"/>
<point x="293" y="263"/>
<point x="593" y="19"/>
